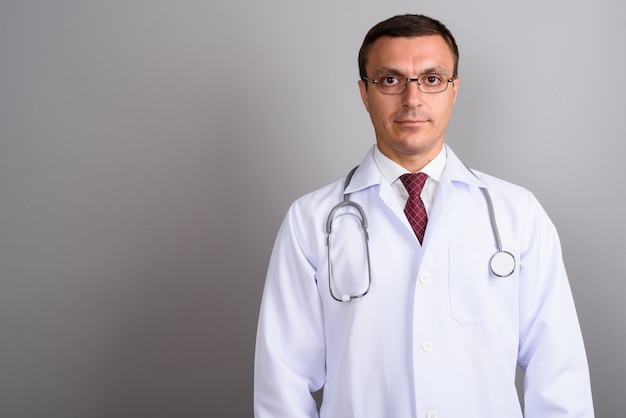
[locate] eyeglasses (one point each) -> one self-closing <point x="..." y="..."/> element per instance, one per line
<point x="397" y="84"/>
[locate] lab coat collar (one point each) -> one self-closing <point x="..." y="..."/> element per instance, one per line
<point x="368" y="174"/>
<point x="457" y="171"/>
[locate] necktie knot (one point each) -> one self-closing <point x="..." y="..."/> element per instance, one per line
<point x="414" y="182"/>
<point x="414" y="209"/>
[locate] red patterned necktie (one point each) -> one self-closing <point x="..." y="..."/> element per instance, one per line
<point x="414" y="209"/>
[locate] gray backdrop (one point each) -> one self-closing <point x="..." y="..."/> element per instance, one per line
<point x="149" y="150"/>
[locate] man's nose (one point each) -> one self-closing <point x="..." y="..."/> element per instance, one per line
<point x="412" y="96"/>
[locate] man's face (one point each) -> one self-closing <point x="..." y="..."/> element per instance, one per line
<point x="409" y="126"/>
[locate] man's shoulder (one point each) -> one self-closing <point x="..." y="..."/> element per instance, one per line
<point x="320" y="197"/>
<point x="499" y="183"/>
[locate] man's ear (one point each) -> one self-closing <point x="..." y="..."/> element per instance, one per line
<point x="363" y="90"/>
<point x="455" y="86"/>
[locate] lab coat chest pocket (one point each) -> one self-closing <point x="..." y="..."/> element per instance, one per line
<point x="477" y="296"/>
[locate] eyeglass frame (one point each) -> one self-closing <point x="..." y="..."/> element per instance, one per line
<point x="407" y="81"/>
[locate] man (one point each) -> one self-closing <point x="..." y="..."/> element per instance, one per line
<point x="388" y="301"/>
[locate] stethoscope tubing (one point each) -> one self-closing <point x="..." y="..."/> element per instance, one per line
<point x="501" y="264"/>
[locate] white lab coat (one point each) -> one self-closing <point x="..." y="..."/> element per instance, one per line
<point x="438" y="335"/>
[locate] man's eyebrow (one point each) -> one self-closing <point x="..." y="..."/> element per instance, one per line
<point x="387" y="70"/>
<point x="390" y="70"/>
<point x="435" y="70"/>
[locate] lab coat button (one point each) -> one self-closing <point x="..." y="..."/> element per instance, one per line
<point x="427" y="345"/>
<point x="424" y="278"/>
<point x="432" y="413"/>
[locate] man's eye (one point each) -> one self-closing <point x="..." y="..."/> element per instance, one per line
<point x="432" y="79"/>
<point x="389" y="80"/>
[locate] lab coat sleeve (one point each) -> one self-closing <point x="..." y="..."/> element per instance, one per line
<point x="551" y="347"/>
<point x="290" y="346"/>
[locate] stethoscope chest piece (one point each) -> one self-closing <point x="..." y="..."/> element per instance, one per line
<point x="502" y="264"/>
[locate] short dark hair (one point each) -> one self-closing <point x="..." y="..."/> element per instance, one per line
<point x="407" y="26"/>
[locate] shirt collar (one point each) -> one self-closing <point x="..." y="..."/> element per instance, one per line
<point x="391" y="170"/>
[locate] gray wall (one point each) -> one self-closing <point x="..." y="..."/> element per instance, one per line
<point x="149" y="150"/>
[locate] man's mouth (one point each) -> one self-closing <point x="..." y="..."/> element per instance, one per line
<point x="411" y="122"/>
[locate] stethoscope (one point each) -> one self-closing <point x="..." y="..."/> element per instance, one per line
<point x="502" y="263"/>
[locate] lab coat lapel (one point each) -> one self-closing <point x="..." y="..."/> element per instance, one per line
<point x="443" y="201"/>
